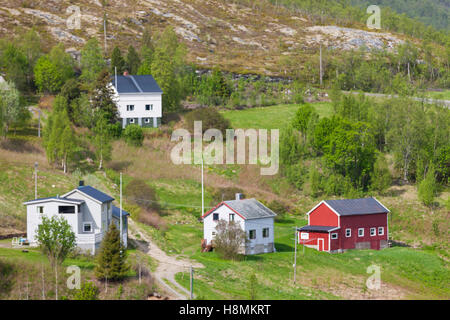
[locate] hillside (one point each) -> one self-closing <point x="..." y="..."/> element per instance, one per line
<point x="234" y="36"/>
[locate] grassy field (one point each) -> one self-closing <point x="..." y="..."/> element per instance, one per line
<point x="273" y="117"/>
<point x="440" y="95"/>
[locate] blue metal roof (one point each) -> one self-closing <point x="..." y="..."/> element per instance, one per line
<point x="349" y="207"/>
<point x="96" y="194"/>
<point x="116" y="212"/>
<point x="316" y="228"/>
<point x="136" y="84"/>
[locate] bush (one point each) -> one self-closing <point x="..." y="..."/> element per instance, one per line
<point x="88" y="291"/>
<point x="279" y="208"/>
<point x="140" y="193"/>
<point x="427" y="188"/>
<point x="134" y="135"/>
<point x="229" y="239"/>
<point x="154" y="220"/>
<point x="210" y="117"/>
<point x="115" y="130"/>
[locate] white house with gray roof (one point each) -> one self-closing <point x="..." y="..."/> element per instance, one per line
<point x="139" y="100"/>
<point x="89" y="212"/>
<point x="254" y="218"/>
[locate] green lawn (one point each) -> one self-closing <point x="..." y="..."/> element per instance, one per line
<point x="273" y="117"/>
<point x="443" y="95"/>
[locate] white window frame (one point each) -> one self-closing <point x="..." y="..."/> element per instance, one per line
<point x="381" y="233"/>
<point x="213" y="235"/>
<point x="268" y="232"/>
<point x="250" y="233"/>
<point x="38" y="209"/>
<point x="359" y="230"/>
<point x="348" y="233"/>
<point x="150" y="107"/>
<point x="334" y="236"/>
<point x="131" y="120"/>
<point x="373" y="232"/>
<point x="147" y="120"/>
<point x="231" y="217"/>
<point x="85" y="224"/>
<point x="130" y="107"/>
<point x="218" y="216"/>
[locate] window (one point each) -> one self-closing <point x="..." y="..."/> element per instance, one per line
<point x="148" y="107"/>
<point x="213" y="234"/>
<point x="130" y="107"/>
<point x="334" y="236"/>
<point x="380" y="231"/>
<point x="147" y="120"/>
<point x="265" y="233"/>
<point x="215" y="216"/>
<point x="361" y="232"/>
<point x="373" y="232"/>
<point x="252" y="234"/>
<point x="87" y="227"/>
<point x="348" y="233"/>
<point x="66" y="209"/>
<point x="231" y="217"/>
<point x="40" y="209"/>
<point x="132" y="120"/>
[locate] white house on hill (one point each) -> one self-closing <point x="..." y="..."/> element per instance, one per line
<point x="254" y="218"/>
<point x="89" y="212"/>
<point x="139" y="100"/>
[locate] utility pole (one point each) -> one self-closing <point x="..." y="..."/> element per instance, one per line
<point x="321" y="66"/>
<point x="120" y="222"/>
<point x="35" y="179"/>
<point x="203" y="195"/>
<point x="192" y="284"/>
<point x="104" y="29"/>
<point x="295" y="253"/>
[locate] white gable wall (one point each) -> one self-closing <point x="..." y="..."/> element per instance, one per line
<point x="209" y="225"/>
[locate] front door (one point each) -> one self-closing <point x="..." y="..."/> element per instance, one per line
<point x="320" y="243"/>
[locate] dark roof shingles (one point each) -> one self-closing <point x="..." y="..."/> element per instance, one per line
<point x="349" y="207"/>
<point x="116" y="212"/>
<point x="96" y="194"/>
<point x="146" y="82"/>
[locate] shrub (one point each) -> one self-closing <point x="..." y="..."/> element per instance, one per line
<point x="279" y="208"/>
<point x="88" y="291"/>
<point x="210" y="117"/>
<point x="427" y="188"/>
<point x="115" y="130"/>
<point x="229" y="239"/>
<point x="153" y="219"/>
<point x="140" y="193"/>
<point x="134" y="135"/>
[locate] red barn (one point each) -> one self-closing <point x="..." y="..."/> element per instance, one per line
<point x="338" y="225"/>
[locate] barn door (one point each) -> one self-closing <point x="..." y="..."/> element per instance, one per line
<point x="320" y="243"/>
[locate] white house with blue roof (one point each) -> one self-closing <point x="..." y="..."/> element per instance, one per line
<point x="89" y="212"/>
<point x="139" y="100"/>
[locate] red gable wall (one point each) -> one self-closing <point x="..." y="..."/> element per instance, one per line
<point x="323" y="216"/>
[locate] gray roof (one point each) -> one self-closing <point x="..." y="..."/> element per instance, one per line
<point x="250" y="208"/>
<point x="136" y="84"/>
<point x="116" y="212"/>
<point x="350" y="207"/>
<point x="96" y="194"/>
<point x="316" y="228"/>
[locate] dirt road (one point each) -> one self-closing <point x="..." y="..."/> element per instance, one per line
<point x="168" y="266"/>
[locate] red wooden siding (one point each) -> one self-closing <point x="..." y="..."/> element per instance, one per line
<point x="366" y="222"/>
<point x="323" y="216"/>
<point x="313" y="239"/>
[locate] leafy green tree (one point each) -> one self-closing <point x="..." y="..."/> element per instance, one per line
<point x="88" y="291"/>
<point x="15" y="64"/>
<point x="102" y="140"/>
<point x="302" y="119"/>
<point x="427" y="188"/>
<point x="132" y="61"/>
<point x="380" y="178"/>
<point x="111" y="260"/>
<point x="117" y="61"/>
<point x="252" y="287"/>
<point x="92" y="62"/>
<point x="11" y="108"/>
<point x="210" y="118"/>
<point x="147" y="49"/>
<point x="313" y="181"/>
<point x="56" y="240"/>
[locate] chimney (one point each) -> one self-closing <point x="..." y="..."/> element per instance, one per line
<point x="239" y="196"/>
<point x="81" y="183"/>
<point x="125" y="73"/>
